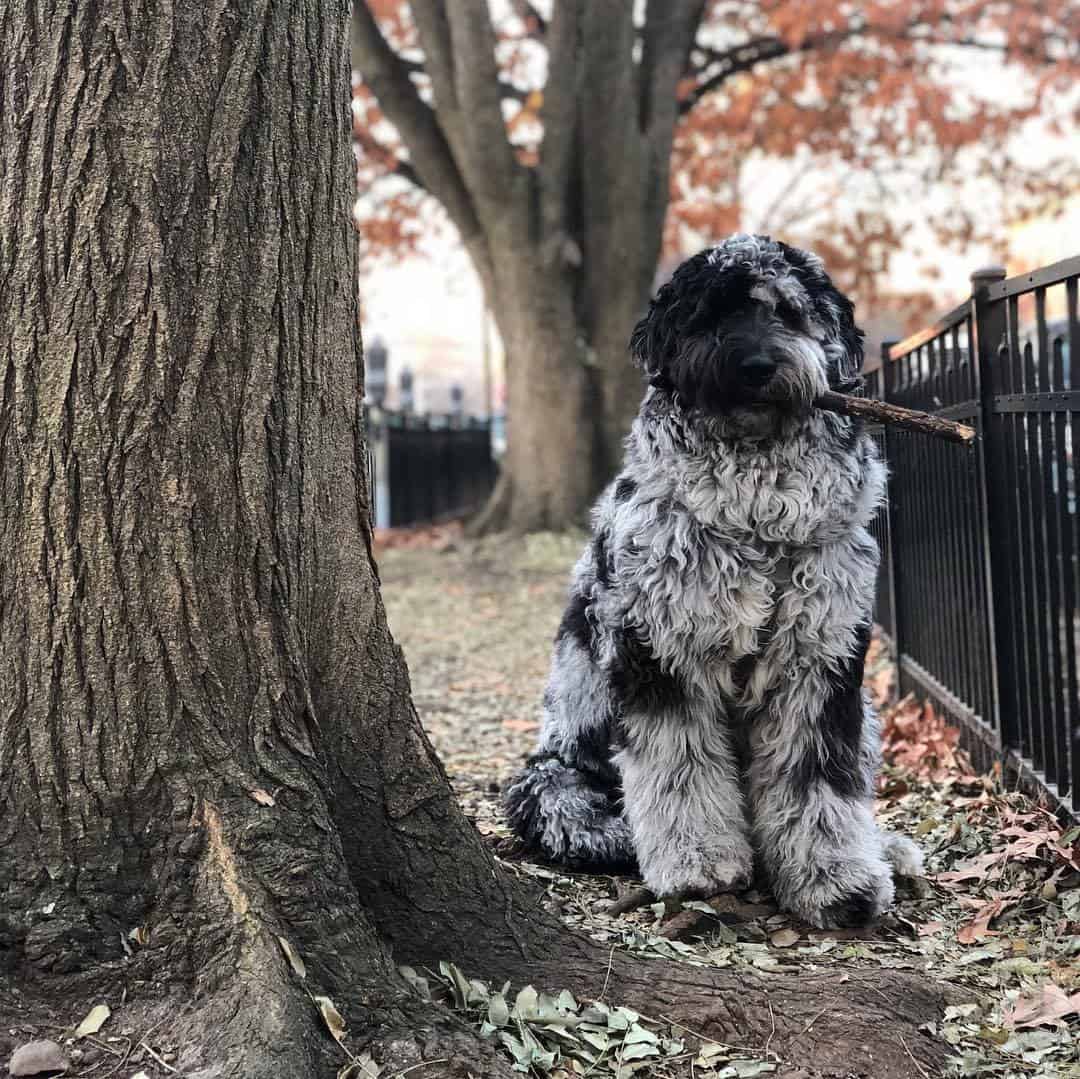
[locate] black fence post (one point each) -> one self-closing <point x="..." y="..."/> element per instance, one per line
<point x="892" y="565"/>
<point x="988" y="328"/>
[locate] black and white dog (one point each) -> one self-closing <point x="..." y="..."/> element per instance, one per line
<point x="705" y="701"/>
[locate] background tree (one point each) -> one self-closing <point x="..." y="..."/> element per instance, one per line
<point x="208" y="756"/>
<point x="554" y="136"/>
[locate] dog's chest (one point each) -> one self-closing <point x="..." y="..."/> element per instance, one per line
<point x="798" y="494"/>
<point x="759" y="561"/>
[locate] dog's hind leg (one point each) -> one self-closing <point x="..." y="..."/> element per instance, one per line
<point x="565" y="802"/>
<point x="684" y="802"/>
<point x="568" y="816"/>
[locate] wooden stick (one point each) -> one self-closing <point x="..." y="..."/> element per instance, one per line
<point x="906" y="418"/>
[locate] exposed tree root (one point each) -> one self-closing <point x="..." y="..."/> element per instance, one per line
<point x="865" y="1022"/>
<point x="436" y="1044"/>
<point x="495" y="516"/>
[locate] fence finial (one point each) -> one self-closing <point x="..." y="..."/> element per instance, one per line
<point x="987" y="275"/>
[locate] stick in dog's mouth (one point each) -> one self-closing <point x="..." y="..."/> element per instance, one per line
<point x="906" y="419"/>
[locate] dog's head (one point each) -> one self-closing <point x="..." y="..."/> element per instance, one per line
<point x="749" y="324"/>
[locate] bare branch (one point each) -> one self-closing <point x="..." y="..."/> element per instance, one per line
<point x="394" y="165"/>
<point x="560" y="114"/>
<point x="509" y="92"/>
<point x="491" y="170"/>
<point x="388" y="77"/>
<point x="611" y="159"/>
<point x="1002" y="47"/>
<point x="668" y="37"/>
<point x="785" y="192"/>
<point x="722" y="65"/>
<point x="434" y="31"/>
<point x="407" y="172"/>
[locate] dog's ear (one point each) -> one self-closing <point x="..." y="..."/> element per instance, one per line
<point x="672" y="314"/>
<point x="656" y="335"/>
<point x="849" y="339"/>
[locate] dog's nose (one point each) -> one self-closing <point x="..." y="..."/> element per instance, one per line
<point x="757" y="369"/>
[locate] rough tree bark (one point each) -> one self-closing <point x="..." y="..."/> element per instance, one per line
<point x="205" y="728"/>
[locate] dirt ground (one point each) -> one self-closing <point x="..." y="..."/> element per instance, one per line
<point x="998" y="915"/>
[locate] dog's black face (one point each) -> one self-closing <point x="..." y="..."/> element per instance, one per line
<point x="750" y="324"/>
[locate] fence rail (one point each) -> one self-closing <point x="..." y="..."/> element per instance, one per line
<point x="426" y="468"/>
<point x="979" y="577"/>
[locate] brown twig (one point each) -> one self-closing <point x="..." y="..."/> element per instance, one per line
<point x="907" y="419"/>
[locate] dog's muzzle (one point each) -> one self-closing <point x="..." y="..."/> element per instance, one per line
<point x="757" y="369"/>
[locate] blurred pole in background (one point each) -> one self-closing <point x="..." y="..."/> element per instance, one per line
<point x="486" y="327"/>
<point x="405" y="390"/>
<point x="376" y="359"/>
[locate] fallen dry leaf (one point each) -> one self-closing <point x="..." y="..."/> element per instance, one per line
<point x="294" y="959"/>
<point x="682" y="925"/>
<point x="331" y="1017"/>
<point x="94" y="1021"/>
<point x="987" y="911"/>
<point x="523" y="725"/>
<point x="784" y="938"/>
<point x="977" y="869"/>
<point x="1042" y="1007"/>
<point x="361" y="1067"/>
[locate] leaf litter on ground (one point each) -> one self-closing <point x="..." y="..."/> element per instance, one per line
<point x="998" y="915"/>
<point x="556" y="1035"/>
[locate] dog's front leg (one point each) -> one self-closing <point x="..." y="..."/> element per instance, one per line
<point x="811" y="783"/>
<point x="683" y="802"/>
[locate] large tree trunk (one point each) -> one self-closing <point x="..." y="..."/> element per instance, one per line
<point x="188" y="609"/>
<point x="555" y="462"/>
<point x="572" y="389"/>
<point x="207" y="745"/>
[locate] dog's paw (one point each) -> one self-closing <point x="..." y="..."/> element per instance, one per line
<point x="905" y="858"/>
<point x="700" y="874"/>
<point x="558" y="815"/>
<point x="862" y="906"/>
<point x="853" y="896"/>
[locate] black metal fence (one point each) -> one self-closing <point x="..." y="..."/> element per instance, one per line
<point x="979" y="586"/>
<point x="427" y="468"/>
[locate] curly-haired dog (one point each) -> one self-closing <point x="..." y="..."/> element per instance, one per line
<point x="705" y="700"/>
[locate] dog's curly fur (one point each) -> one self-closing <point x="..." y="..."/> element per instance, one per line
<point x="705" y="702"/>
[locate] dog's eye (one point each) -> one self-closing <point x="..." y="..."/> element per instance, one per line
<point x="789" y="316"/>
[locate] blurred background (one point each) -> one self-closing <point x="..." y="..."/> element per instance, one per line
<point x="530" y="170"/>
